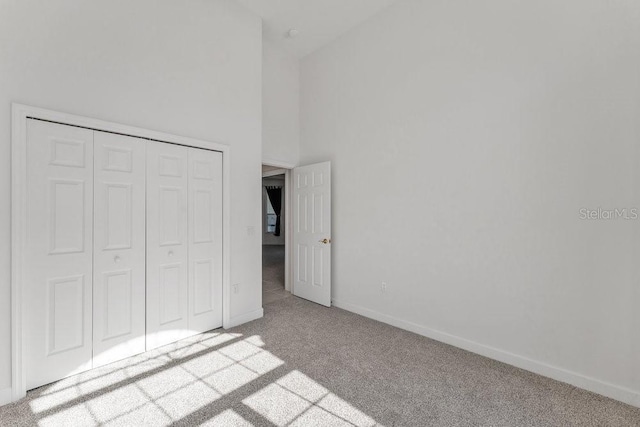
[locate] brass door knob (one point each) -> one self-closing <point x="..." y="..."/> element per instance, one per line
<point x="325" y="241"/>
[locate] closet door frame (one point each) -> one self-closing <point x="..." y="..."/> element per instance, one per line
<point x="19" y="188"/>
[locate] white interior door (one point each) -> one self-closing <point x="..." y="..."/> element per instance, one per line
<point x="312" y="232"/>
<point x="118" y="247"/>
<point x="205" y="239"/>
<point x="123" y="250"/>
<point x="167" y="244"/>
<point x="58" y="271"/>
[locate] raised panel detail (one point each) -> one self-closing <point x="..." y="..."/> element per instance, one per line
<point x="119" y="214"/>
<point x="170" y="166"/>
<point x="65" y="329"/>
<point x="202" y="216"/>
<point x="170" y="293"/>
<point x="117" y="159"/>
<point x="117" y="304"/>
<point x="302" y="263"/>
<point x="302" y="218"/>
<point x="318" y="259"/>
<point x="66" y="152"/>
<point x="318" y="208"/>
<point x="318" y="179"/>
<point x="203" y="277"/>
<point x="202" y="170"/>
<point x="66" y="216"/>
<point x="170" y="216"/>
<point x="302" y="180"/>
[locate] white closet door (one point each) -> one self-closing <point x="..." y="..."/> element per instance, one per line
<point x="205" y="240"/>
<point x="119" y="247"/>
<point x="167" y="244"/>
<point x="58" y="270"/>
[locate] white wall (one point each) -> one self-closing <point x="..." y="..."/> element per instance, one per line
<point x="189" y="68"/>
<point x="269" y="238"/>
<point x="280" y="106"/>
<point x="465" y="138"/>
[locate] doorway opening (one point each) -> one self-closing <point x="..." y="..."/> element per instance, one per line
<point x="302" y="196"/>
<point x="275" y="234"/>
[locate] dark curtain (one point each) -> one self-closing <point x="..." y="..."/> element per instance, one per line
<point x="275" y="197"/>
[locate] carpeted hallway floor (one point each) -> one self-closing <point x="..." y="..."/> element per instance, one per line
<point x="307" y="365"/>
<point x="273" y="274"/>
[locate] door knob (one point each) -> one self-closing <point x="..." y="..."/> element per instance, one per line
<point x="325" y="241"/>
<point x="116" y="259"/>
<point x="170" y="254"/>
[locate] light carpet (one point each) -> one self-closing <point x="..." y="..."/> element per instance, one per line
<point x="273" y="274"/>
<point x="308" y="365"/>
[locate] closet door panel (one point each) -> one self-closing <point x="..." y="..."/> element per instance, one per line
<point x="58" y="267"/>
<point x="119" y="247"/>
<point x="205" y="239"/>
<point x="167" y="244"/>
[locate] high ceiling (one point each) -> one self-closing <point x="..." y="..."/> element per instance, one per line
<point x="318" y="21"/>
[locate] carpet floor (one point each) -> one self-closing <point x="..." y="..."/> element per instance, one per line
<point x="273" y="274"/>
<point x="308" y="365"/>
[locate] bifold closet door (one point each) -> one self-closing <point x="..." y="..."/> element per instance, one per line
<point x="123" y="251"/>
<point x="184" y="242"/>
<point x="167" y="244"/>
<point x="205" y="240"/>
<point x="57" y="290"/>
<point x="119" y="247"/>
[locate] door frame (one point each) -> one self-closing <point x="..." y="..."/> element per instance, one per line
<point x="288" y="221"/>
<point x="19" y="115"/>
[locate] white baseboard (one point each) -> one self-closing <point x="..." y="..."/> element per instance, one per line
<point x="5" y="396"/>
<point x="623" y="394"/>
<point x="244" y="318"/>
